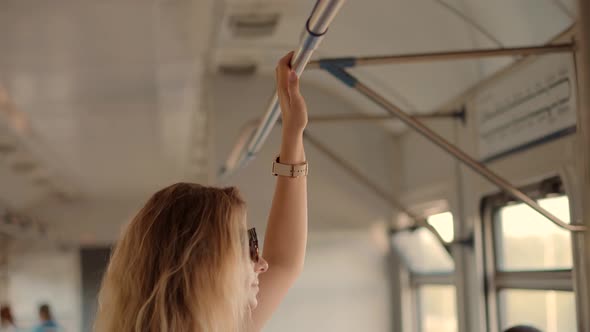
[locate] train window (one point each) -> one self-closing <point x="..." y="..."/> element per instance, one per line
<point x="546" y="310"/>
<point x="527" y="241"/>
<point x="437" y="308"/>
<point x="529" y="262"/>
<point x="422" y="252"/>
<point x="443" y="223"/>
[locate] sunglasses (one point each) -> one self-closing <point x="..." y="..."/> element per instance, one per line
<point x="253" y="240"/>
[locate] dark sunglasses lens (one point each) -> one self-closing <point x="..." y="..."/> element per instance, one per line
<point x="254" y="255"/>
<point x="253" y="239"/>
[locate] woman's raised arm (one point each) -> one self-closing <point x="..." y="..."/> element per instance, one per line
<point x="286" y="233"/>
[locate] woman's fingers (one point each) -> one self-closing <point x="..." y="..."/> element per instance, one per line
<point x="286" y="60"/>
<point x="293" y="109"/>
<point x="283" y="69"/>
<point x="295" y="97"/>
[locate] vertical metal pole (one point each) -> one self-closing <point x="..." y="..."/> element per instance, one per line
<point x="395" y="292"/>
<point x="465" y="302"/>
<point x="581" y="241"/>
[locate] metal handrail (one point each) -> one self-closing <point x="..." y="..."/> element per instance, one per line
<point x="315" y="28"/>
<point x="523" y="51"/>
<point x="350" y="80"/>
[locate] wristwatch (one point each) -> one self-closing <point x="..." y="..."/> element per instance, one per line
<point x="292" y="171"/>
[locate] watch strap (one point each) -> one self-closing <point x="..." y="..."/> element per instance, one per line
<point x="288" y="170"/>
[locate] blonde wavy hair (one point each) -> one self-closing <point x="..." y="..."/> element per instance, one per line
<point x="180" y="265"/>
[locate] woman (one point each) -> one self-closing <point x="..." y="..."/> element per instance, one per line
<point x="187" y="262"/>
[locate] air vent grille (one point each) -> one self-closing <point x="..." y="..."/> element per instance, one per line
<point x="236" y="69"/>
<point x="6" y="148"/>
<point x="253" y="25"/>
<point x="23" y="167"/>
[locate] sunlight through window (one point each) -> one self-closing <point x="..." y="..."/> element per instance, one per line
<point x="438" y="309"/>
<point x="443" y="223"/>
<point x="528" y="241"/>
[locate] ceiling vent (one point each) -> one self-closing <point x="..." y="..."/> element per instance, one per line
<point x="24" y="166"/>
<point x="62" y="196"/>
<point x="237" y="69"/>
<point x="41" y="181"/>
<point x="253" y="25"/>
<point x="7" y="148"/>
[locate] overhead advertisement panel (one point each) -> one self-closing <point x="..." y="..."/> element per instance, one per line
<point x="533" y="104"/>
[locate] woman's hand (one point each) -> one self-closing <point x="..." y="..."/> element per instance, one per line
<point x="293" y="108"/>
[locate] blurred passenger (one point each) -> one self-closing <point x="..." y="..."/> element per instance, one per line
<point x="188" y="262"/>
<point x="48" y="324"/>
<point x="7" y="323"/>
<point x="523" y="328"/>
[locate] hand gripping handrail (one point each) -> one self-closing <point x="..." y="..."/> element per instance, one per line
<point x="315" y="28"/>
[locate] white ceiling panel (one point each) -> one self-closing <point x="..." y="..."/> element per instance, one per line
<point x="115" y="95"/>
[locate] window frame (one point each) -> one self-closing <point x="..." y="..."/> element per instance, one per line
<point x="418" y="280"/>
<point x="496" y="280"/>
